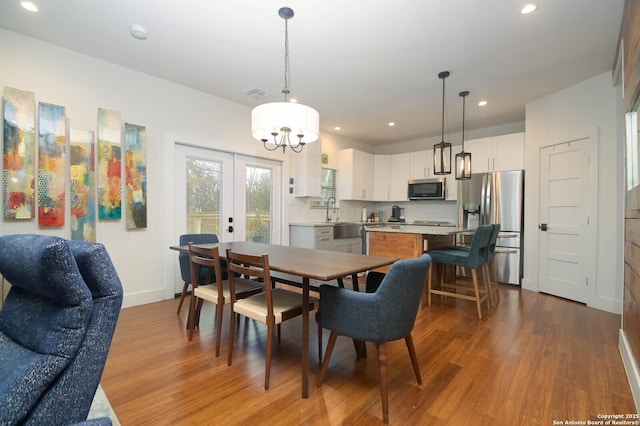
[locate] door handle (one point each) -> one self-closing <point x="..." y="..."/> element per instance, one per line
<point x="543" y="227"/>
<point x="230" y="228"/>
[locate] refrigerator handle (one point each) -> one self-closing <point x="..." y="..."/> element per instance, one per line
<point x="485" y="213"/>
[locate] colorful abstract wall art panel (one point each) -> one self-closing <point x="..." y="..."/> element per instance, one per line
<point x="135" y="166"/>
<point x="82" y="185"/>
<point x="109" y="164"/>
<point x="18" y="173"/>
<point x="52" y="177"/>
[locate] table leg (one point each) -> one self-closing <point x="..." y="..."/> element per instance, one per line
<point x="354" y="280"/>
<point x="305" y="337"/>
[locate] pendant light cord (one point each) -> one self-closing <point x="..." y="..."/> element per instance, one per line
<point x="443" y="79"/>
<point x="463" y="107"/>
<point x="285" y="89"/>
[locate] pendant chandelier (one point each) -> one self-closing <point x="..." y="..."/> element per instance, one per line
<point x="463" y="159"/>
<point x="282" y="124"/>
<point x="442" y="150"/>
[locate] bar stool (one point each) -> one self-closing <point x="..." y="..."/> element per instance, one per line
<point x="474" y="259"/>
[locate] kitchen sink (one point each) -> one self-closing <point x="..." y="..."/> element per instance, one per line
<point x="346" y="230"/>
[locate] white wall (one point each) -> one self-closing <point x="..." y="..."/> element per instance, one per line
<point x="170" y="113"/>
<point x="593" y="104"/>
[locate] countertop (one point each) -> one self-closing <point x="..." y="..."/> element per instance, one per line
<point x="413" y="229"/>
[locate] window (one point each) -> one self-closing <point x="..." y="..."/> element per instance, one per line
<point x="327" y="188"/>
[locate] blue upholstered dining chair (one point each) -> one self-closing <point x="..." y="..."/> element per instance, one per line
<point x="385" y="313"/>
<point x="206" y="276"/>
<point x="56" y="327"/>
<point x="474" y="258"/>
<point x="488" y="254"/>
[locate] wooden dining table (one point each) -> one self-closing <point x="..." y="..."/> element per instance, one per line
<point x="307" y="264"/>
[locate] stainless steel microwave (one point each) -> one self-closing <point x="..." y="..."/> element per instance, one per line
<point x="427" y="189"/>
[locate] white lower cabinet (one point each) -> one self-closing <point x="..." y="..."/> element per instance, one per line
<point x="348" y="245"/>
<point x="315" y="237"/>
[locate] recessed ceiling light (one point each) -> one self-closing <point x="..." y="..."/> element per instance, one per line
<point x="528" y="8"/>
<point x="482" y="103"/>
<point x="391" y="124"/>
<point x="138" y="31"/>
<point x="30" y="6"/>
<point x="336" y="128"/>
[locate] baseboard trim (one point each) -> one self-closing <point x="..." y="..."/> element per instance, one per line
<point x="142" y="298"/>
<point x="631" y="367"/>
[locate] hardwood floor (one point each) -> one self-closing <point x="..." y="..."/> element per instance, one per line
<point x="533" y="359"/>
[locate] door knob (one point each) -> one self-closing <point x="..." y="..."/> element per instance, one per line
<point x="543" y="227"/>
<point x="230" y="228"/>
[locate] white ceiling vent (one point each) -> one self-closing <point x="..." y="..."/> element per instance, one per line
<point x="256" y="93"/>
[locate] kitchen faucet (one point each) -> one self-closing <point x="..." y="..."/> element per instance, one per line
<point x="327" y="218"/>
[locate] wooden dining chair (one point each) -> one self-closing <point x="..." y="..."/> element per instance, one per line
<point x="387" y="312"/>
<point x="272" y="307"/>
<point x="218" y="291"/>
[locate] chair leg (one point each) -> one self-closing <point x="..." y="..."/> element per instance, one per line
<point x="267" y="371"/>
<point x="488" y="286"/>
<point x="232" y="329"/>
<point x="414" y="359"/>
<point x="384" y="387"/>
<point x="191" y="319"/>
<point x="327" y="356"/>
<point x="429" y="284"/>
<point x="219" y="311"/>
<point x="185" y="287"/>
<point x="474" y="276"/>
<point x="196" y="322"/>
<point x="319" y="343"/>
<point x="495" y="278"/>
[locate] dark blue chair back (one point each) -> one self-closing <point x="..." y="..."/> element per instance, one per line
<point x="183" y="258"/>
<point x="384" y="315"/>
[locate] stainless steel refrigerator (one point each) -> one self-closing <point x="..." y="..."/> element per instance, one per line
<point x="496" y="197"/>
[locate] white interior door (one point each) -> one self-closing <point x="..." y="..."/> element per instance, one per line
<point x="567" y="219"/>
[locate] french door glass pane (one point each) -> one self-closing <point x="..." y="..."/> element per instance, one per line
<point x="204" y="183"/>
<point x="258" y="184"/>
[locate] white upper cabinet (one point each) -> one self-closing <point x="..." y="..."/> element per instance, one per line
<point x="355" y="175"/>
<point x="400" y="173"/>
<point x="308" y="171"/>
<point x="381" y="177"/>
<point x="509" y="152"/>
<point x="421" y="164"/>
<point x="496" y="153"/>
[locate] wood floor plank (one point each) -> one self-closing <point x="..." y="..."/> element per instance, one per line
<point x="533" y="359"/>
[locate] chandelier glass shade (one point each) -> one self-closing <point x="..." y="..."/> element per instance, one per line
<point x="282" y="124"/>
<point x="463" y="159"/>
<point x="442" y="150"/>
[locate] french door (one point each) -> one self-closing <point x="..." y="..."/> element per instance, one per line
<point x="233" y="196"/>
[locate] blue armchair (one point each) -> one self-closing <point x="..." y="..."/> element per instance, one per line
<point x="56" y="327"/>
<point x="385" y="313"/>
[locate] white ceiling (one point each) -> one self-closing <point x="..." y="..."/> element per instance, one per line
<point x="360" y="63"/>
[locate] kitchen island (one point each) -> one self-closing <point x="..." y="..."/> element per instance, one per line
<point x="406" y="241"/>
